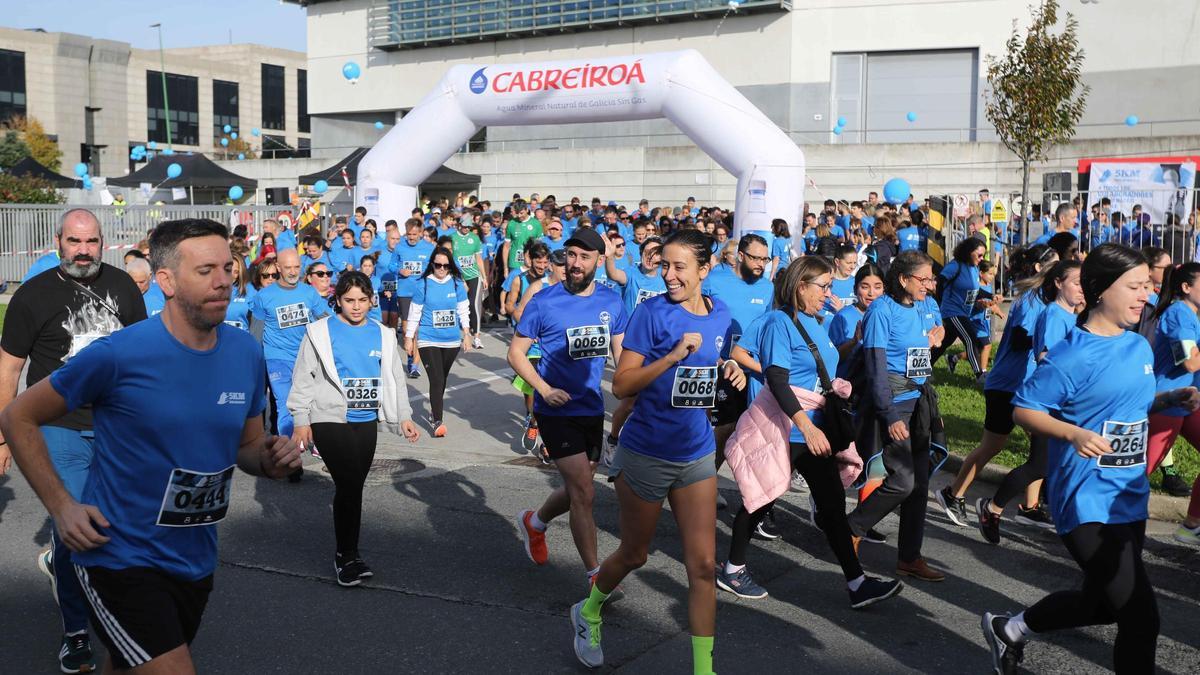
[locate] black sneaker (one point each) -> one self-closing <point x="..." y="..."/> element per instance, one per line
<point x="766" y="528"/>
<point x="364" y="572"/>
<point x="873" y="590"/>
<point x="955" y="507"/>
<point x="1035" y="517"/>
<point x="952" y="361"/>
<point x="1005" y="653"/>
<point x="349" y="573"/>
<point x="75" y="655"/>
<point x="989" y="523"/>
<point x="1173" y="484"/>
<point x="874" y="536"/>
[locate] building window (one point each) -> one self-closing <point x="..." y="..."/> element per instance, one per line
<point x="303" y="148"/>
<point x="225" y="107"/>
<point x="12" y="84"/>
<point x="302" y="100"/>
<point x="273" y="109"/>
<point x="276" y="147"/>
<point x="183" y="101"/>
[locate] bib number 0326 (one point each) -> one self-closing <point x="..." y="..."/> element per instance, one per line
<point x="193" y="498"/>
<point x="694" y="387"/>
<point x="362" y="393"/>
<point x="1128" y="441"/>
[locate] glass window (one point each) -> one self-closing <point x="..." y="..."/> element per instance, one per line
<point x="274" y="114"/>
<point x="12" y="83"/>
<point x="225" y="107"/>
<point x="276" y="147"/>
<point x="303" y="148"/>
<point x="302" y="100"/>
<point x="181" y="109"/>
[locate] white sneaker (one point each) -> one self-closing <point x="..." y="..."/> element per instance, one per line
<point x="798" y="482"/>
<point x="607" y="454"/>
<point x="477" y="343"/>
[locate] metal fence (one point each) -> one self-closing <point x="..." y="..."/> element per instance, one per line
<point x="27" y="230"/>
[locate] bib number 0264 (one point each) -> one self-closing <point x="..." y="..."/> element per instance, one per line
<point x="1128" y="442"/>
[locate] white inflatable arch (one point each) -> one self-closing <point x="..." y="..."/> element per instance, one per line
<point x="679" y="86"/>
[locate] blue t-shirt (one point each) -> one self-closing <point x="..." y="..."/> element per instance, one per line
<point x="1177" y="324"/>
<point x="1105" y="385"/>
<point x="752" y="342"/>
<point x="357" y="353"/>
<point x="414" y="258"/>
<point x="439" y="308"/>
<point x="902" y="331"/>
<point x="340" y="256"/>
<point x="1014" y="365"/>
<point x="305" y="261"/>
<point x="376" y="286"/>
<point x="670" y="416"/>
<point x="640" y="287"/>
<point x="575" y="335"/>
<point x="842" y="289"/>
<point x="783" y="346"/>
<point x="910" y="238"/>
<point x="154" y="299"/>
<point x="569" y="225"/>
<point x="746" y="302"/>
<point x="841" y="330"/>
<point x="285" y="314"/>
<point x="238" y="312"/>
<point x="961" y="289"/>
<point x="554" y="244"/>
<point x="164" y="455"/>
<point x="285" y="240"/>
<point x="782" y="249"/>
<point x="1052" y="327"/>
<point x="47" y="261"/>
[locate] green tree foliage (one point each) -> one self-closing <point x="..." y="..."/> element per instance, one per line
<point x="27" y="190"/>
<point x="37" y="144"/>
<point x="12" y="148"/>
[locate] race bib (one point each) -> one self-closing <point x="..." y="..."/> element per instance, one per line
<point x="388" y="285"/>
<point x="193" y="498"/>
<point x="694" y="387"/>
<point x="466" y="261"/>
<point x="362" y="393"/>
<point x="444" y="318"/>
<point x="918" y="364"/>
<point x="588" y="342"/>
<point x="645" y="294"/>
<point x="289" y="316"/>
<point x="236" y="324"/>
<point x="1128" y="441"/>
<point x="414" y="266"/>
<point x="970" y="297"/>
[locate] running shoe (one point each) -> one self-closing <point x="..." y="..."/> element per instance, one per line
<point x="873" y="590"/>
<point x="1005" y="653"/>
<point x="740" y="583"/>
<point x="45" y="563"/>
<point x="529" y="437"/>
<point x="798" y="483"/>
<point x="477" y="343"/>
<point x="952" y="361"/>
<point x="722" y="503"/>
<point x="981" y="378"/>
<point x="535" y="541"/>
<point x="439" y="429"/>
<point x="812" y="512"/>
<point x="989" y="523"/>
<point x="413" y="371"/>
<point x="75" y="655"/>
<point x="917" y="569"/>
<point x="1035" y="517"/>
<point x="1173" y="484"/>
<point x="364" y="572"/>
<point x="874" y="536"/>
<point x="587" y="638"/>
<point x="767" y="528"/>
<point x="544" y="454"/>
<point x="955" y="507"/>
<point x="1188" y="535"/>
<point x="348" y="573"/>
<point x="608" y="452"/>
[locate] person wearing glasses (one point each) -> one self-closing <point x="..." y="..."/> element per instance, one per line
<point x="440" y="311"/>
<point x="264" y="274"/>
<point x="318" y="276"/>
<point x="554" y="235"/>
<point x="899" y="331"/>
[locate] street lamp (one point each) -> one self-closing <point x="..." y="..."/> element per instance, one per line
<point x="162" y="61"/>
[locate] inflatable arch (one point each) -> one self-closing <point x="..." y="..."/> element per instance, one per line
<point x="679" y="86"/>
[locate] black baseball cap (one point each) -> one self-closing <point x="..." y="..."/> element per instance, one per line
<point x="558" y="257"/>
<point x="587" y="239"/>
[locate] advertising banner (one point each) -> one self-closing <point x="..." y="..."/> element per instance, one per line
<point x="1161" y="188"/>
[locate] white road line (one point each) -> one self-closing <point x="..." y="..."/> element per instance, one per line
<point x="502" y="375"/>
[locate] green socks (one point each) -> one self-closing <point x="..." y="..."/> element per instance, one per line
<point x="702" y="654"/>
<point x="591" y="606"/>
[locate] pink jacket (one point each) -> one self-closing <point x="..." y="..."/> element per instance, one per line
<point x="758" y="453"/>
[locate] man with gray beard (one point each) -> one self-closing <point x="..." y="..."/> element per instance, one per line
<point x="50" y="319"/>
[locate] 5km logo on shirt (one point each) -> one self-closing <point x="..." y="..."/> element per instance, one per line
<point x="232" y="398"/>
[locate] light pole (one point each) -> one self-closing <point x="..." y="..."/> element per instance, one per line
<point x="162" y="61"/>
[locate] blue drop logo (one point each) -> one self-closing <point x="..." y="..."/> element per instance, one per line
<point x="479" y="82"/>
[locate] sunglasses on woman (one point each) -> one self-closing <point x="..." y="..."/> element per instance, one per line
<point x="321" y="273"/>
<point x="441" y="266"/>
<point x="270" y="275"/>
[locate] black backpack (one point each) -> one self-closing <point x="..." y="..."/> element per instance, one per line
<point x="943" y="283"/>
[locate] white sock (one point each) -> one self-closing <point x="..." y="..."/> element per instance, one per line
<point x="1016" y="630"/>
<point x="592" y="573"/>
<point x="536" y="523"/>
<point x="730" y="568"/>
<point x="78" y="632"/>
<point x="854" y="584"/>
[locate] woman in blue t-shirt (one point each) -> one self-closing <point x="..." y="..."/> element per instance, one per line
<point x="671" y="362"/>
<point x="781" y="246"/>
<point x="366" y="265"/>
<point x="960" y="294"/>
<point x="1091" y="396"/>
<point x="438" y="326"/>
<point x="789" y="363"/>
<point x="348" y="377"/>
<point x="845" y="327"/>
<point x="899" y="330"/>
<point x="242" y="291"/>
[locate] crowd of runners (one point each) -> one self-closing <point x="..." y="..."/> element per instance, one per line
<point x="803" y="362"/>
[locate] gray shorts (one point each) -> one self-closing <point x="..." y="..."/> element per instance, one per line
<point x="651" y="478"/>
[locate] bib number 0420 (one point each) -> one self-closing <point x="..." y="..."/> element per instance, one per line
<point x="694" y="387"/>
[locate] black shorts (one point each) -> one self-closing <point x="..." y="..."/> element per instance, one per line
<point x="402" y="305"/>
<point x="998" y="414"/>
<point x="567" y="435"/>
<point x="142" y="613"/>
<point x="731" y="403"/>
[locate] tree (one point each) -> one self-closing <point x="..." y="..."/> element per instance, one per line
<point x="12" y="148"/>
<point x="1036" y="98"/>
<point x="39" y="146"/>
<point x="27" y="190"/>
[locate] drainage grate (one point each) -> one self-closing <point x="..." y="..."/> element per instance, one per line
<point x="396" y="467"/>
<point x="532" y="462"/>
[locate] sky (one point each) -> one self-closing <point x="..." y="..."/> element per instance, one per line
<point x="185" y="23"/>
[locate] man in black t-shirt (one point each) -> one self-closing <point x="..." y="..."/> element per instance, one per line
<point x="50" y="319"/>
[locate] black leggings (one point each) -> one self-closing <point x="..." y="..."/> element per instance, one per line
<point x="1115" y="590"/>
<point x="438" y="361"/>
<point x="347" y="448"/>
<point x="825" y="485"/>
<point x="1018" y="479"/>
<point x="959" y="328"/>
<point x="473" y="301"/>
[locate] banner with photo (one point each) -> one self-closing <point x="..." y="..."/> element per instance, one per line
<point x="1160" y="188"/>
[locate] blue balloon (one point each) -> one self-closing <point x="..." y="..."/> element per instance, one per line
<point x="227" y="128"/>
<point x="168" y="152"/>
<point x="241" y="155"/>
<point x="379" y="125"/>
<point x="896" y="190"/>
<point x="174" y="170"/>
<point x="81" y="169"/>
<point x="351" y="71"/>
<point x="233" y="135"/>
<point x="87" y="183"/>
<point x="1131" y="121"/>
<point x="837" y="131"/>
<point x="224" y="142"/>
<point x="320" y="187"/>
<point x="152" y="145"/>
<point x="841" y="122"/>
<point x="235" y="192"/>
<point x="255" y="131"/>
<point x="911" y="117"/>
<point x="139" y="149"/>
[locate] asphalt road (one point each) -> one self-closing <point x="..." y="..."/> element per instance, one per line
<point x="453" y="591"/>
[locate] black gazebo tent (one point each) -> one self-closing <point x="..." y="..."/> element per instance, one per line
<point x="443" y="177"/>
<point x="31" y="167"/>
<point x="198" y="172"/>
